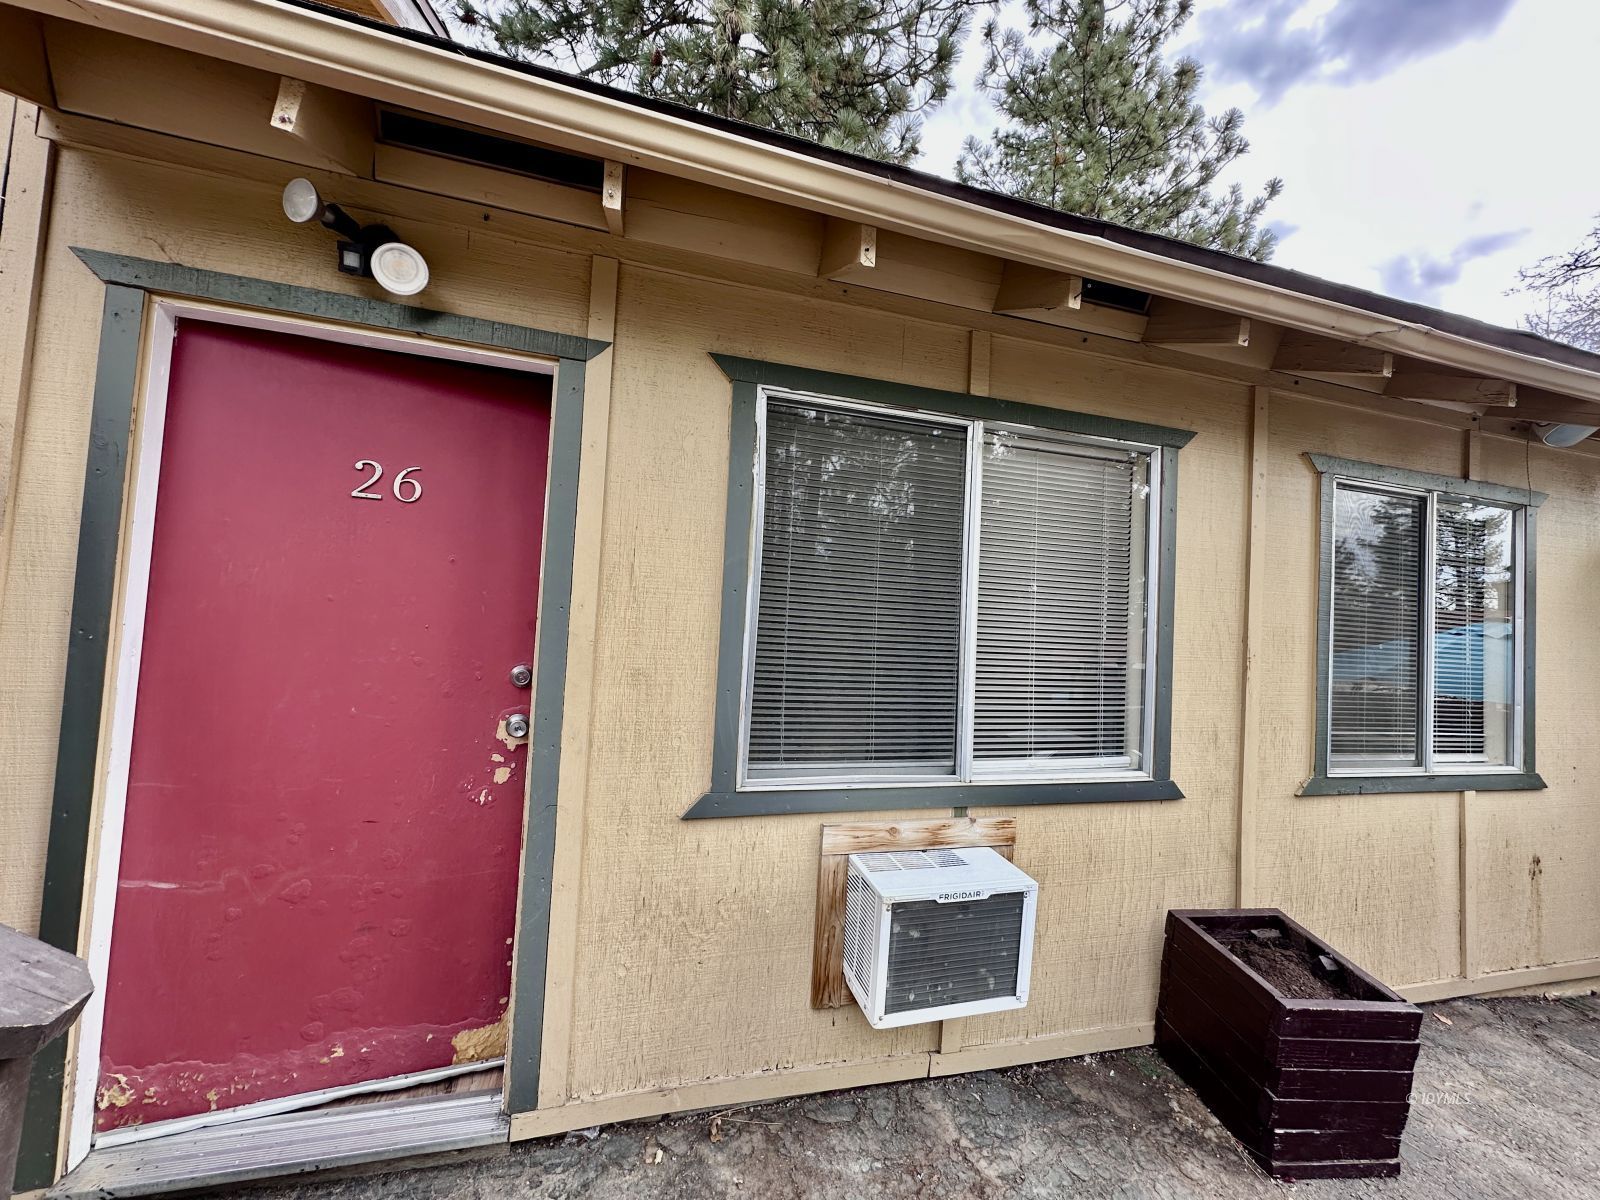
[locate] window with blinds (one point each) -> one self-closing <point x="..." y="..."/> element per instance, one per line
<point x="940" y="600"/>
<point x="858" y="628"/>
<point x="1377" y="627"/>
<point x="1474" y="634"/>
<point x="1060" y="623"/>
<point x="1424" y="635"/>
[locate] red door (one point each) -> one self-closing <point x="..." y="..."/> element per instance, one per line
<point x="324" y="812"/>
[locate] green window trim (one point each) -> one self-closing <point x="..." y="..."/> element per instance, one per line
<point x="725" y="798"/>
<point x="1324" y="782"/>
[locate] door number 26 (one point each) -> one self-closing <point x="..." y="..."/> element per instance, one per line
<point x="406" y="489"/>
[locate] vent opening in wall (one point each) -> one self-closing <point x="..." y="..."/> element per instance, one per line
<point x="486" y="149"/>
<point x="935" y="934"/>
<point x="1114" y="295"/>
<point x="910" y="860"/>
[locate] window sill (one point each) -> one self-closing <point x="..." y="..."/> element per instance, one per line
<point x="1373" y="785"/>
<point x="956" y="795"/>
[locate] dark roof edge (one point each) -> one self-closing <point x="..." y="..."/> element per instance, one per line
<point x="1518" y="341"/>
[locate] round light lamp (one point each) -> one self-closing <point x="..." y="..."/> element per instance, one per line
<point x="301" y="204"/>
<point x="399" y="269"/>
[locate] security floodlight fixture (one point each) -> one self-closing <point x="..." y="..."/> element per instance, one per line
<point x="1553" y="433"/>
<point x="368" y="251"/>
<point x="399" y="269"/>
<point x="352" y="259"/>
<point x="301" y="203"/>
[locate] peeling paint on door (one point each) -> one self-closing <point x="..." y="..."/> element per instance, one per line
<point x="504" y="735"/>
<point x="480" y="1044"/>
<point x="115" y="1093"/>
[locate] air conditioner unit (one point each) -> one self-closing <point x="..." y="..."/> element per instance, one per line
<point x="931" y="934"/>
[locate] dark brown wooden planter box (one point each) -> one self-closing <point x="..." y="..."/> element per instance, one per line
<point x="1305" y="1057"/>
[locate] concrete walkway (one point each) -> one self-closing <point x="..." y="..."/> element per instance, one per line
<point x="1507" y="1104"/>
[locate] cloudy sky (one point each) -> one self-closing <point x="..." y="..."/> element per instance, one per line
<point x="1428" y="147"/>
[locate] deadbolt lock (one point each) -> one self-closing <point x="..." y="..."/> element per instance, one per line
<point x="521" y="675"/>
<point x="517" y="725"/>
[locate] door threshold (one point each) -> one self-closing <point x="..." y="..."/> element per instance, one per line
<point x="299" y="1101"/>
<point x="288" y="1144"/>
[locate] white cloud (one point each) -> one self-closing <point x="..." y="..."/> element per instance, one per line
<point x="1275" y="45"/>
<point x="1488" y="136"/>
<point x="1423" y="277"/>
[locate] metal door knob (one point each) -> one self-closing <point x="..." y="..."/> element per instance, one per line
<point x="517" y="725"/>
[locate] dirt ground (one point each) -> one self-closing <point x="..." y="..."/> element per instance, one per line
<point x="1505" y="1106"/>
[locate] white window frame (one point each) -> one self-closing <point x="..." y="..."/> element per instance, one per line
<point x="1432" y="764"/>
<point x="966" y="773"/>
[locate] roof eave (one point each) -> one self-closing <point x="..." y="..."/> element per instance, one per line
<point x="324" y="48"/>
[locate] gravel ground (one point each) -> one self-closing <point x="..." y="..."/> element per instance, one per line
<point x="1504" y="1106"/>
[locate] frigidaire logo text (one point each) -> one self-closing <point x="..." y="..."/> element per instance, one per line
<point x="960" y="896"/>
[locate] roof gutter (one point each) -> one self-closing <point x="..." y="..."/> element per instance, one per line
<point x="326" y="49"/>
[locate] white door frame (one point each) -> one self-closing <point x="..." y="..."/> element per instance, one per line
<point x="127" y="631"/>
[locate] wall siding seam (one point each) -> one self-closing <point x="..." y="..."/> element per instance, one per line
<point x="1254" y="616"/>
<point x="567" y="894"/>
<point x="16" y="361"/>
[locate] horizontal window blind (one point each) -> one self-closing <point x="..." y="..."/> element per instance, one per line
<point x="1473" y="599"/>
<point x="858" y="634"/>
<point x="1377" y="622"/>
<point x="1059" y="672"/>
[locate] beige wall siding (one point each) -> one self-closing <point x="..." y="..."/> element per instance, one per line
<point x="41" y="538"/>
<point x="1375" y="874"/>
<point x="25" y="163"/>
<point x="1536" y="854"/>
<point x="1109" y="872"/>
<point x="690" y="945"/>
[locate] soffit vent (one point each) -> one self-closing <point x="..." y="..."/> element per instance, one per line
<point x="412" y="132"/>
<point x="1113" y="295"/>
